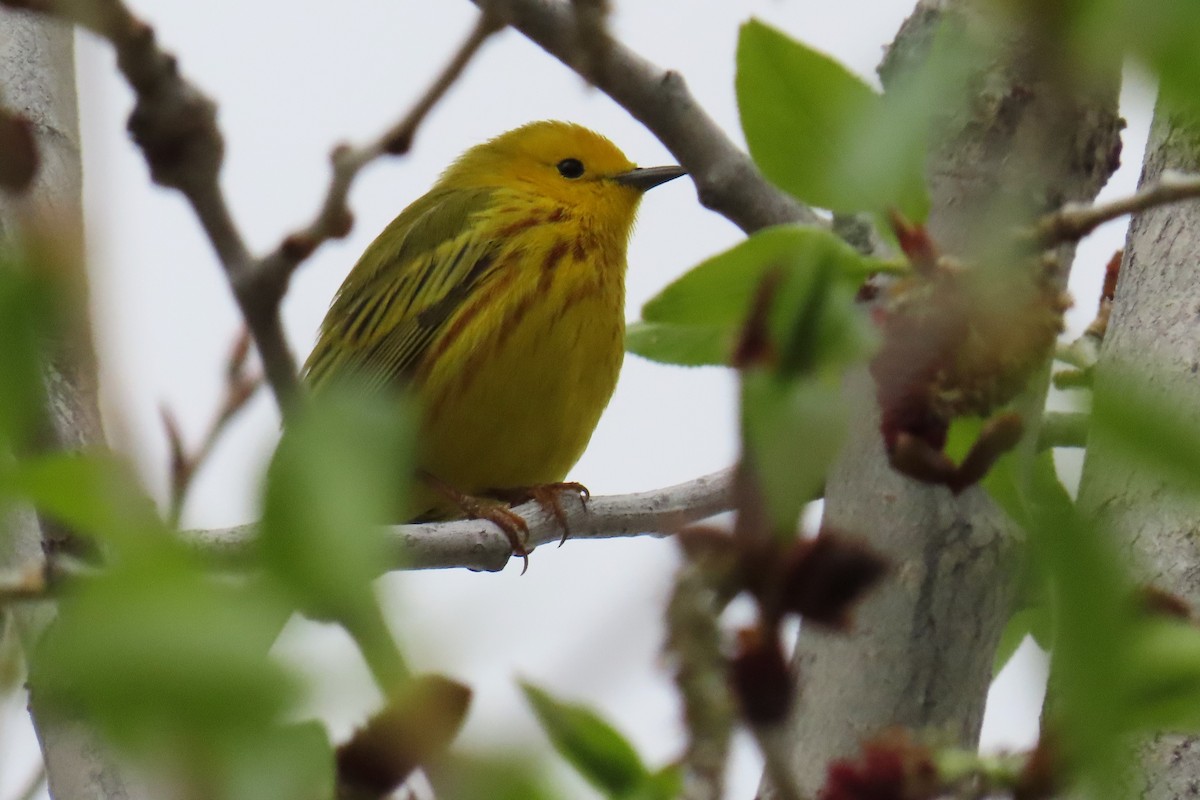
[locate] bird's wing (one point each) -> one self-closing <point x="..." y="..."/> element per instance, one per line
<point x="403" y="289"/>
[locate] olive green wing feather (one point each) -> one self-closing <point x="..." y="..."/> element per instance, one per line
<point x="403" y="289"/>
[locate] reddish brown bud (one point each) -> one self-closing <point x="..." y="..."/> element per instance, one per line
<point x="399" y="142"/>
<point x="1112" y="271"/>
<point x="416" y="725"/>
<point x="914" y="242"/>
<point x="18" y="152"/>
<point x="824" y="577"/>
<point x="298" y="246"/>
<point x="753" y="347"/>
<point x="761" y="679"/>
<point x="1041" y="778"/>
<point x="891" y="767"/>
<point x="341" y="225"/>
<point x="999" y="435"/>
<point x="1159" y="602"/>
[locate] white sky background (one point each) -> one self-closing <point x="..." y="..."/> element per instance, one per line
<point x="294" y="78"/>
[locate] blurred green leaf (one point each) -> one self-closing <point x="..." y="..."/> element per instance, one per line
<point x="163" y="658"/>
<point x="508" y="777"/>
<point x="595" y="748"/>
<point x="685" y="345"/>
<point x="697" y="318"/>
<point x="1158" y="432"/>
<point x="800" y="111"/>
<point x="1089" y="598"/>
<point x="1029" y="621"/>
<point x="27" y="316"/>
<point x="293" y="762"/>
<point x="794" y="430"/>
<point x="1164" y="673"/>
<point x="666" y="784"/>
<point x="341" y="472"/>
<point x="95" y="494"/>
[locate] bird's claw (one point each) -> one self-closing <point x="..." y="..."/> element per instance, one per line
<point x="549" y="497"/>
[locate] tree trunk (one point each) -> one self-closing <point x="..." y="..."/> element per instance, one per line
<point x="37" y="81"/>
<point x="921" y="651"/>
<point x="1153" y="324"/>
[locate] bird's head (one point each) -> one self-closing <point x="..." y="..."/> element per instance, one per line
<point x="560" y="161"/>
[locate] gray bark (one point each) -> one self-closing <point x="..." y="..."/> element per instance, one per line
<point x="37" y="80"/>
<point x="921" y="652"/>
<point x="1153" y="325"/>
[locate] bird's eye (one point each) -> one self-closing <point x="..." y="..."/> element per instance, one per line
<point x="570" y="168"/>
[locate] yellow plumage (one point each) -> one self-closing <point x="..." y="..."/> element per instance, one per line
<point x="498" y="299"/>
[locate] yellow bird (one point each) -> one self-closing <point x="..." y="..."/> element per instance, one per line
<point x="498" y="300"/>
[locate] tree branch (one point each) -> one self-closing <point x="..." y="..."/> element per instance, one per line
<point x="725" y="177"/>
<point x="1074" y="221"/>
<point x="175" y="125"/>
<point x="334" y="219"/>
<point x="480" y="545"/>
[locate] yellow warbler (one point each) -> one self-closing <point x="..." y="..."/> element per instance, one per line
<point x="498" y="300"/>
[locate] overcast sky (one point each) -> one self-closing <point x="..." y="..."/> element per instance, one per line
<point x="294" y="78"/>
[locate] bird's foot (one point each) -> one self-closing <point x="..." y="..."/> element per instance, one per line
<point x="497" y="512"/>
<point x="549" y="497"/>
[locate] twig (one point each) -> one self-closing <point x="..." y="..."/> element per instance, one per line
<point x="23" y="585"/>
<point x="480" y="545"/>
<point x="776" y="744"/>
<point x="334" y="218"/>
<point x="1063" y="429"/>
<point x="725" y="177"/>
<point x="701" y="676"/>
<point x="175" y="125"/>
<point x="240" y="386"/>
<point x="1074" y="221"/>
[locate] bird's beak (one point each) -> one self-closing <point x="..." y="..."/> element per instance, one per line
<point x="649" y="177"/>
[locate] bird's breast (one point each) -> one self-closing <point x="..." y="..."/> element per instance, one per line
<point x="524" y="369"/>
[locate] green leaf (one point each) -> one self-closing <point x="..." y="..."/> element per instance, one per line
<point x="595" y="748"/>
<point x="698" y="317"/>
<point x="164" y="659"/>
<point x="800" y="111"/>
<point x="96" y="494"/>
<point x="293" y="762"/>
<point x="340" y="473"/>
<point x="27" y="315"/>
<point x="1164" y="676"/>
<point x="510" y="776"/>
<point x="1158" y="432"/>
<point x="1025" y="622"/>
<point x="685" y="345"/>
<point x="794" y="430"/>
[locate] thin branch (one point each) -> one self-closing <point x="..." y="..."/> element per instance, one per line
<point x="334" y="218"/>
<point x="702" y="680"/>
<point x="23" y="585"/>
<point x="725" y="177"/>
<point x="175" y="125"/>
<point x="1074" y="221"/>
<point x="1063" y="429"/>
<point x="240" y="386"/>
<point x="480" y="545"/>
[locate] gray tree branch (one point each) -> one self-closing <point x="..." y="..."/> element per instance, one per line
<point x="1152" y="333"/>
<point x="480" y="545"/>
<point x="37" y="79"/>
<point x="922" y="649"/>
<point x="727" y="180"/>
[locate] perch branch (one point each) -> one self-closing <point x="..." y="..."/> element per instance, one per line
<point x="480" y="545"/>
